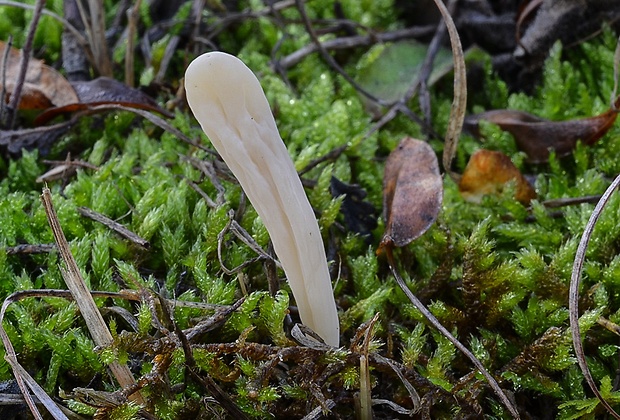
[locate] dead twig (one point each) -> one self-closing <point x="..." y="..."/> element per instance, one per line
<point x="234" y="227"/>
<point x="158" y="121"/>
<point x="5" y="62"/>
<point x="216" y="320"/>
<point x="171" y="49"/>
<point x="207" y="168"/>
<point x="23" y="64"/>
<point x="570" y="201"/>
<point x="356" y="41"/>
<point x="29" y="249"/>
<point x="115" y="226"/>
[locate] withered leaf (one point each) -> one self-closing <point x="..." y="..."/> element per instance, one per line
<point x="412" y="192"/>
<point x="488" y="172"/>
<point x="537" y="136"/>
<point x="104" y="91"/>
<point x="43" y="85"/>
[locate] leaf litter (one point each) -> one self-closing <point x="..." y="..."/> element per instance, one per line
<point x="43" y="87"/>
<point x="537" y="137"/>
<point x="412" y="192"/>
<point x="489" y="172"/>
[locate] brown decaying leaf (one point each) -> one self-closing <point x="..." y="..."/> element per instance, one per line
<point x="537" y="136"/>
<point x="488" y="172"/>
<point x="104" y="91"/>
<point x="43" y="86"/>
<point x="412" y="192"/>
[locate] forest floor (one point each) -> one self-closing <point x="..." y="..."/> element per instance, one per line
<point x="462" y="174"/>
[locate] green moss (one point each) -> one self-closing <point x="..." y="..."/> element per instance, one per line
<point x="273" y="311"/>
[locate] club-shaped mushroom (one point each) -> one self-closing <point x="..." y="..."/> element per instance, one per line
<point x="230" y="105"/>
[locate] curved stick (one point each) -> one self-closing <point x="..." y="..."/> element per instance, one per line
<point x="573" y="294"/>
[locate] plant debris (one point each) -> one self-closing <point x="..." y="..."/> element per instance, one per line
<point x="413" y="192"/>
<point x="538" y="137"/>
<point x="489" y="172"/>
<point x="43" y="86"/>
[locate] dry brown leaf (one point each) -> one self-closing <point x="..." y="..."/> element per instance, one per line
<point x="537" y="136"/>
<point x="43" y="86"/>
<point x="412" y="192"/>
<point x="488" y="172"/>
<point x="104" y="91"/>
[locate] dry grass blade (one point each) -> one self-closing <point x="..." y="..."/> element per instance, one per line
<point x="348" y="42"/>
<point x="94" y="321"/>
<point x="457" y="111"/>
<point x="435" y="323"/>
<point x="573" y="296"/>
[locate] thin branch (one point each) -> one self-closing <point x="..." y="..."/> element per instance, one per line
<point x="23" y="64"/>
<point x="354" y="42"/>
<point x="5" y="64"/>
<point x="114" y="226"/>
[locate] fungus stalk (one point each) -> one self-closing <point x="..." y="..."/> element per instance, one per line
<point x="230" y="105"/>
